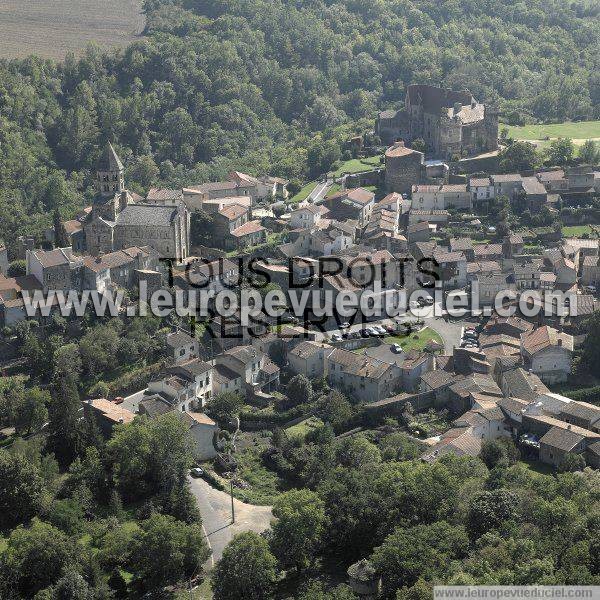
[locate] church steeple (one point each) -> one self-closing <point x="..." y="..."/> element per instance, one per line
<point x="109" y="173"/>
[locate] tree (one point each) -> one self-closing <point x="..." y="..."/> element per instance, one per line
<point x="37" y="557"/>
<point x="225" y="406"/>
<point x="571" y="463"/>
<point x="67" y="360"/>
<point x="21" y="492"/>
<point x="589" y="153"/>
<point x="151" y="457"/>
<point x="17" y="268"/>
<point x="31" y="412"/>
<point x="501" y="451"/>
<point x="299" y="527"/>
<point x="334" y="408"/>
<point x="315" y="590"/>
<point x="491" y="510"/>
<point x="560" y="152"/>
<point x="299" y="390"/>
<point x="72" y="586"/>
<point x="165" y="551"/>
<point x="63" y="419"/>
<point x="418" y="145"/>
<point x="590" y="357"/>
<point x="519" y="156"/>
<point x="60" y="233"/>
<point x="246" y="571"/>
<point x="421" y="551"/>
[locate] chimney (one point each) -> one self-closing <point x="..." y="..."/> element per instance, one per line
<point x="560" y="341"/>
<point x="457" y="107"/>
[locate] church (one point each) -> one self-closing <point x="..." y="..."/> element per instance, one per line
<point x="117" y="220"/>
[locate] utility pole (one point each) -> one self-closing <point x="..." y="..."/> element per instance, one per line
<point x="232" y="506"/>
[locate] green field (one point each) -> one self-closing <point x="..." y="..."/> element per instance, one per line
<point x="577" y="230"/>
<point x="304" y="427"/>
<point x="358" y="165"/>
<point x="577" y="131"/>
<point x="304" y="192"/>
<point x="416" y="341"/>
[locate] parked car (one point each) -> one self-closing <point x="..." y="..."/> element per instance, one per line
<point x="379" y="329"/>
<point x="355" y="335"/>
<point x="197" y="472"/>
<point x="364" y="333"/>
<point x="397" y="348"/>
<point x="345" y="325"/>
<point x="390" y="328"/>
<point x="429" y="301"/>
<point x="336" y="337"/>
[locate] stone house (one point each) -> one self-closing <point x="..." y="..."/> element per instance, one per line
<point x="12" y="307"/>
<point x="227" y="219"/>
<point x="307" y="216"/>
<point x="440" y="197"/>
<point x="590" y="271"/>
<point x="482" y="190"/>
<point x="403" y="168"/>
<point x="490" y="286"/>
<point x="251" y="233"/>
<point x="547" y="353"/>
<point x="453" y="269"/>
<point x="106" y="414"/>
<point x="362" y="377"/>
<point x="56" y="269"/>
<point x="96" y="274"/>
<point x="227" y="380"/>
<point x="419" y="232"/>
<point x="199" y="376"/>
<point x="507" y="184"/>
<point x="202" y="430"/>
<point x="534" y="195"/>
<point x="309" y="358"/>
<point x="258" y="372"/>
<point x="183" y="346"/>
<point x="356" y="204"/>
<point x="558" y="442"/>
<point x="433" y="217"/>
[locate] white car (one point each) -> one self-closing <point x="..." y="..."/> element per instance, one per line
<point x="336" y="337"/>
<point x="413" y="305"/>
<point x="345" y="325"/>
<point x="379" y="329"/>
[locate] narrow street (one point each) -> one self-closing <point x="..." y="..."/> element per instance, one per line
<point x="215" y="508"/>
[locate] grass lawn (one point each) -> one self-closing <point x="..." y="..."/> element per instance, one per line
<point x="265" y="484"/>
<point x="416" y="341"/>
<point x="538" y="467"/>
<point x="577" y="230"/>
<point x="304" y="427"/>
<point x="358" y="165"/>
<point x="304" y="192"/>
<point x="583" y="130"/>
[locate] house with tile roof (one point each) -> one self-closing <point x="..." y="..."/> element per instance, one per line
<point x="548" y="353"/>
<point x="361" y="376"/>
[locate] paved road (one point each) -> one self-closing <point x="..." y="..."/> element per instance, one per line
<point x="215" y="508"/>
<point x="319" y="192"/>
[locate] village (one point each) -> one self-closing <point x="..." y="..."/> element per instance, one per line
<point x="491" y="377"/>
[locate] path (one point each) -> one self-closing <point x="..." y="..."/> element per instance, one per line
<point x="215" y="508"/>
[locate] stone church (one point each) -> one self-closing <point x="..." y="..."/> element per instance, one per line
<point x="117" y="220"/>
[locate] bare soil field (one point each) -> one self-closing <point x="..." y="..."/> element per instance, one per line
<point x="51" y="28"/>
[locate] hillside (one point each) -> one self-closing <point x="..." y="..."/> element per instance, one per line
<point x="275" y="87"/>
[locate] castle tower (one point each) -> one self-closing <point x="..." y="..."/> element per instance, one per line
<point x="109" y="173"/>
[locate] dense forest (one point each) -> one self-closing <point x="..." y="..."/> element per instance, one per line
<point x="274" y="86"/>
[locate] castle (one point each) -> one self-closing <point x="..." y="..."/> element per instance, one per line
<point x="117" y="220"/>
<point x="451" y="123"/>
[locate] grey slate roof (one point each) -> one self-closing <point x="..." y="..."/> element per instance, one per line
<point x="147" y="215"/>
<point x="109" y="160"/>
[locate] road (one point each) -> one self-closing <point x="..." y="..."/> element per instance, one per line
<point x="215" y="508"/>
<point x="317" y="194"/>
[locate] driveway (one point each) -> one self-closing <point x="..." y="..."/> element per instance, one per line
<point x="215" y="508"/>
